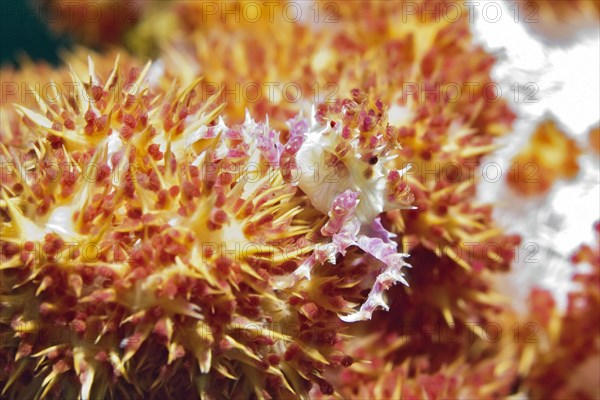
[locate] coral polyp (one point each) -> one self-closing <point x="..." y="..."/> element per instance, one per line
<point x="564" y="363"/>
<point x="549" y="156"/>
<point x="97" y="24"/>
<point x="156" y="240"/>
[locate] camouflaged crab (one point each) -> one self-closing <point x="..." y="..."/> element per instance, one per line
<point x="148" y="247"/>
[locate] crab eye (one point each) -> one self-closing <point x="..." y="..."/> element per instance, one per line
<point x="373" y="160"/>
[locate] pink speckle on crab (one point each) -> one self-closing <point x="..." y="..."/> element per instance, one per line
<point x="344" y="206"/>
